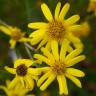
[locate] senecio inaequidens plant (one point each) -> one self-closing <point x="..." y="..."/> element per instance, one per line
<point x="60" y="50"/>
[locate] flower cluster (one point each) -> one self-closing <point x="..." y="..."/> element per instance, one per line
<point x="59" y="48"/>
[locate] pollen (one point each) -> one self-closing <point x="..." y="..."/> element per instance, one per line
<point x="21" y="70"/>
<point x="59" y="68"/>
<point x="16" y="34"/>
<point x="56" y="30"/>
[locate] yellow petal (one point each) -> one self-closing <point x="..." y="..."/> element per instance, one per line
<point x="44" y="41"/>
<point x="22" y="82"/>
<point x="44" y="69"/>
<point x="37" y="25"/>
<point x="73" y="54"/>
<point x="12" y="43"/>
<point x="64" y="48"/>
<point x="43" y="78"/>
<point x="57" y="10"/>
<point x="37" y="33"/>
<point x="36" y="39"/>
<point x="11" y="70"/>
<point x="73" y="19"/>
<point x="42" y="58"/>
<point x="76" y="41"/>
<point x="74" y="28"/>
<point x="13" y="83"/>
<point x="27" y="85"/>
<point x="30" y="82"/>
<point x="38" y="61"/>
<point x="33" y="77"/>
<point x="62" y="85"/>
<point x="54" y="47"/>
<point x="75" y="60"/>
<point x="23" y="39"/>
<point x="27" y="62"/>
<point x="75" y="72"/>
<point x="33" y="71"/>
<point x="70" y="49"/>
<point x="64" y="11"/>
<point x="74" y="79"/>
<point x="5" y="30"/>
<point x="48" y="54"/>
<point x="48" y="82"/>
<point x="48" y="45"/>
<point x="46" y="11"/>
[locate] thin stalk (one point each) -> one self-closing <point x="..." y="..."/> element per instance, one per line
<point x="30" y="47"/>
<point x="3" y="23"/>
<point x="28" y="51"/>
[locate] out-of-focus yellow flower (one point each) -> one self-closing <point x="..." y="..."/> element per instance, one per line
<point x="59" y="66"/>
<point x="24" y="74"/>
<point x="15" y="34"/>
<point x="16" y="91"/>
<point x="85" y="30"/>
<point x="92" y="6"/>
<point x="45" y="93"/>
<point x="57" y="27"/>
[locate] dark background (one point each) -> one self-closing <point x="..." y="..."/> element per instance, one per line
<point x="21" y="12"/>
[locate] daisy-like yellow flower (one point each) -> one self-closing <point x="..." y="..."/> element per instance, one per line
<point x="57" y="27"/>
<point x="85" y="30"/>
<point x="16" y="91"/>
<point x="24" y="74"/>
<point x="15" y="34"/>
<point x="59" y="66"/>
<point x="45" y="93"/>
<point x="92" y="6"/>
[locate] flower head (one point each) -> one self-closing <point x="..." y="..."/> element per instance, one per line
<point x="57" y="27"/>
<point x="24" y="74"/>
<point x="92" y="6"/>
<point x="16" y="91"/>
<point x="15" y="34"/>
<point x="59" y="66"/>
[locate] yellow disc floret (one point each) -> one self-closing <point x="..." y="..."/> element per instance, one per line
<point x="58" y="27"/>
<point x="59" y="67"/>
<point x="15" y="35"/>
<point x="24" y="74"/>
<point x="56" y="30"/>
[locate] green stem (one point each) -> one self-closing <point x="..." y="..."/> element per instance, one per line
<point x="28" y="51"/>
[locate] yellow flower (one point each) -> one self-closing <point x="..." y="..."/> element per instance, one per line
<point x="15" y="34"/>
<point x="16" y="91"/>
<point x="92" y="6"/>
<point x="45" y="93"/>
<point x="57" y="27"/>
<point x="59" y="66"/>
<point x="24" y="74"/>
<point x="85" y="30"/>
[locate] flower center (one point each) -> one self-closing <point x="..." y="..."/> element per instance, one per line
<point x="56" y="30"/>
<point x="59" y="68"/>
<point x="16" y="34"/>
<point x="21" y="70"/>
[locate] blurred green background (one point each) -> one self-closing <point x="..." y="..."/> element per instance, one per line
<point x="21" y="12"/>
